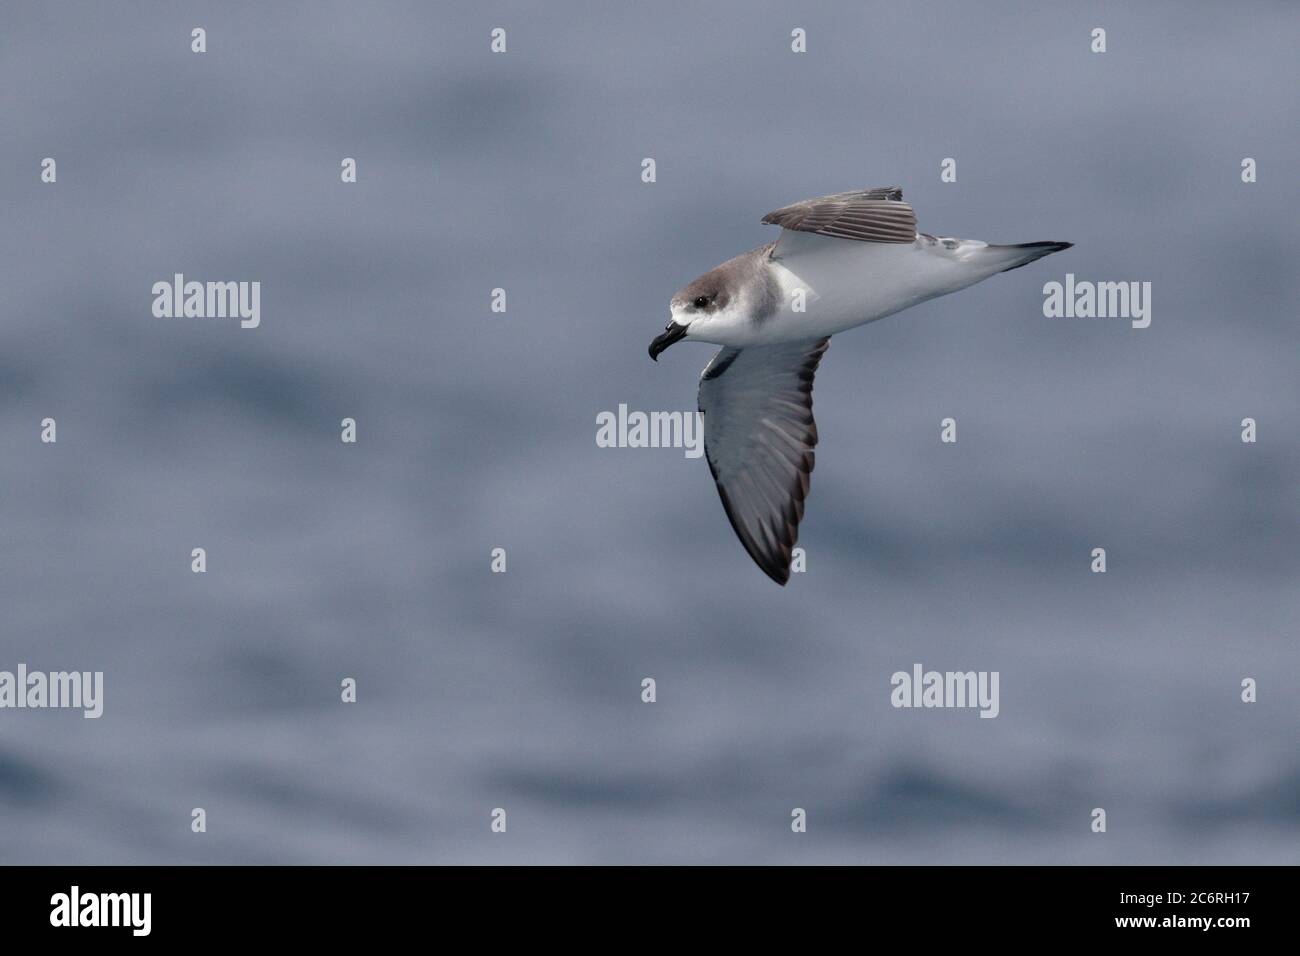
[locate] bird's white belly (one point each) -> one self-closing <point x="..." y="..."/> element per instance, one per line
<point x="842" y="284"/>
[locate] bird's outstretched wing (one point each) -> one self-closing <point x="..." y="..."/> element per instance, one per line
<point x="759" y="436"/>
<point x="867" y="215"/>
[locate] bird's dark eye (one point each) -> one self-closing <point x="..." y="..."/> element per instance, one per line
<point x="701" y="301"/>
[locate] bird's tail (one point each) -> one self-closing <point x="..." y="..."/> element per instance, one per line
<point x="1006" y="258"/>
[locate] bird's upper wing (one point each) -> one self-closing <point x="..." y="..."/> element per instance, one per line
<point x="867" y="215"/>
<point x="759" y="436"/>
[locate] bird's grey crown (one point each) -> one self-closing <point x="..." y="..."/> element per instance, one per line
<point x="727" y="282"/>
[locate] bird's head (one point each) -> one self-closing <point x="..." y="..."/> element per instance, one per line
<point x="704" y="310"/>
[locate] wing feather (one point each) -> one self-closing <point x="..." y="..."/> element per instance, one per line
<point x="759" y="436"/>
<point x="864" y="215"/>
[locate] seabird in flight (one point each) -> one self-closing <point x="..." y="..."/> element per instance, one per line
<point x="840" y="261"/>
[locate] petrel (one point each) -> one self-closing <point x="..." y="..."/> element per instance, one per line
<point x="841" y="261"/>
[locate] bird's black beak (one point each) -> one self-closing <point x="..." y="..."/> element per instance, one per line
<point x="671" y="334"/>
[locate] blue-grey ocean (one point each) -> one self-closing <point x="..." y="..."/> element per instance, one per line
<point x="476" y="430"/>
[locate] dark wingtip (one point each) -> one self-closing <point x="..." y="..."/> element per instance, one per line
<point x="1045" y="247"/>
<point x="1033" y="251"/>
<point x="778" y="574"/>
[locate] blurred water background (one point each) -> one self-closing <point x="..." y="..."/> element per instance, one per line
<point x="476" y="430"/>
